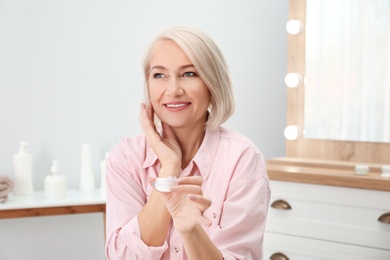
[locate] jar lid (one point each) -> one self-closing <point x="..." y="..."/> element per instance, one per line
<point x="362" y="169"/>
<point x="165" y="184"/>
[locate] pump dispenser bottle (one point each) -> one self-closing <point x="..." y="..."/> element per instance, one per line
<point x="87" y="180"/>
<point x="23" y="163"/>
<point x="55" y="184"/>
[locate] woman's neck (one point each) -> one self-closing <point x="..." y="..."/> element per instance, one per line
<point x="190" y="139"/>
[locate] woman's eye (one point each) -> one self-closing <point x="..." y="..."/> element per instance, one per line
<point x="189" y="74"/>
<point x="158" y="75"/>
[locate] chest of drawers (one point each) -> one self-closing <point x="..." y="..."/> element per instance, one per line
<point x="311" y="221"/>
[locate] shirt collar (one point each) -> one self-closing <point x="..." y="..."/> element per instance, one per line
<point x="203" y="158"/>
<point x="150" y="157"/>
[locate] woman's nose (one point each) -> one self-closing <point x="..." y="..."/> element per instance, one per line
<point x="174" y="88"/>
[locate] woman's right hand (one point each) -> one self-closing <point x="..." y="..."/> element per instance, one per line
<point x="186" y="204"/>
<point x="165" y="147"/>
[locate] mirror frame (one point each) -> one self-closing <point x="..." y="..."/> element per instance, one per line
<point x="368" y="152"/>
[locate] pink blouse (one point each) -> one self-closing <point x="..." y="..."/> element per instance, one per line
<point x="234" y="179"/>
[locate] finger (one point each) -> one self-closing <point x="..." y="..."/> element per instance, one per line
<point x="145" y="120"/>
<point x="148" y="125"/>
<point x="187" y="189"/>
<point x="189" y="185"/>
<point x="167" y="131"/>
<point x="202" y="220"/>
<point x="151" y="181"/>
<point x="194" y="180"/>
<point x="146" y="115"/>
<point x="202" y="203"/>
<point x="150" y="110"/>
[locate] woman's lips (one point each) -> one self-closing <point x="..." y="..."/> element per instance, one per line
<point x="177" y="106"/>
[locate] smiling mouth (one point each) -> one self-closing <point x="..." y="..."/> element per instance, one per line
<point x="177" y="105"/>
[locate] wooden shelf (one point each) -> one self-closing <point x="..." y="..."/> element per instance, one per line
<point x="76" y="202"/>
<point x="324" y="172"/>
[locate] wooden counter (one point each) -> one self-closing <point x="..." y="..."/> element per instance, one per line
<point x="324" y="172"/>
<point x="36" y="205"/>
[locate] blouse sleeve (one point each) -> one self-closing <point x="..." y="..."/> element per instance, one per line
<point x="125" y="198"/>
<point x="240" y="232"/>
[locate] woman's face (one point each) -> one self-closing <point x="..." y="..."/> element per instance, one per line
<point x="179" y="96"/>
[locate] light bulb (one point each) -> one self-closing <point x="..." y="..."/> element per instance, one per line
<point x="291" y="132"/>
<point x="294" y="27"/>
<point x="293" y="80"/>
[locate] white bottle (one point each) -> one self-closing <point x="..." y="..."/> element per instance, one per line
<point x="55" y="184"/>
<point x="103" y="175"/>
<point x="87" y="180"/>
<point x="23" y="163"/>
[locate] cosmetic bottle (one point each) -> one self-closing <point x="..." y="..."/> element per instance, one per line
<point x="23" y="163"/>
<point x="55" y="183"/>
<point x="103" y="175"/>
<point x="87" y="180"/>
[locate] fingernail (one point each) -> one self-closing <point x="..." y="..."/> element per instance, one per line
<point x="191" y="197"/>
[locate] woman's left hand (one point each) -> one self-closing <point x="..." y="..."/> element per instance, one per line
<point x="186" y="204"/>
<point x="166" y="146"/>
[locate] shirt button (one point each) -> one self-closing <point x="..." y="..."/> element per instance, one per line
<point x="214" y="215"/>
<point x="176" y="250"/>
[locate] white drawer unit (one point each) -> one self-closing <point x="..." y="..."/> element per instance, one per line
<point x="308" y="221"/>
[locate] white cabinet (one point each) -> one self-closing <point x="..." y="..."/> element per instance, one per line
<point x="309" y="221"/>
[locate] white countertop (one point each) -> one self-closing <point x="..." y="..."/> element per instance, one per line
<point x="37" y="200"/>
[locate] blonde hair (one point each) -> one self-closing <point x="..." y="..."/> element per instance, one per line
<point x="209" y="62"/>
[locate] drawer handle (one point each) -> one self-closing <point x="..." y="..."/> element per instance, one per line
<point x="278" y="256"/>
<point x="385" y="218"/>
<point x="280" y="204"/>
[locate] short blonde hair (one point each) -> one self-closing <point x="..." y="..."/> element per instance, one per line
<point x="209" y="62"/>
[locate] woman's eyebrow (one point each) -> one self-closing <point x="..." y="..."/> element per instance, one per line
<point x="187" y="66"/>
<point x="158" y="67"/>
<point x="164" y="68"/>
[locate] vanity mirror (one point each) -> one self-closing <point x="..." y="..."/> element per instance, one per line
<point x="347" y="70"/>
<point x="307" y="91"/>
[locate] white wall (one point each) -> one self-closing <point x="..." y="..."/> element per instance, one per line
<point x="70" y="73"/>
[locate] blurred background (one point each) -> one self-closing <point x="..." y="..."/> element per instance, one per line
<point x="71" y="73"/>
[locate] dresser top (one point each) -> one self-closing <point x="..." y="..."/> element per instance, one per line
<point x="324" y="172"/>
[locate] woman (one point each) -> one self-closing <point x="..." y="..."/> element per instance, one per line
<point x="219" y="207"/>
